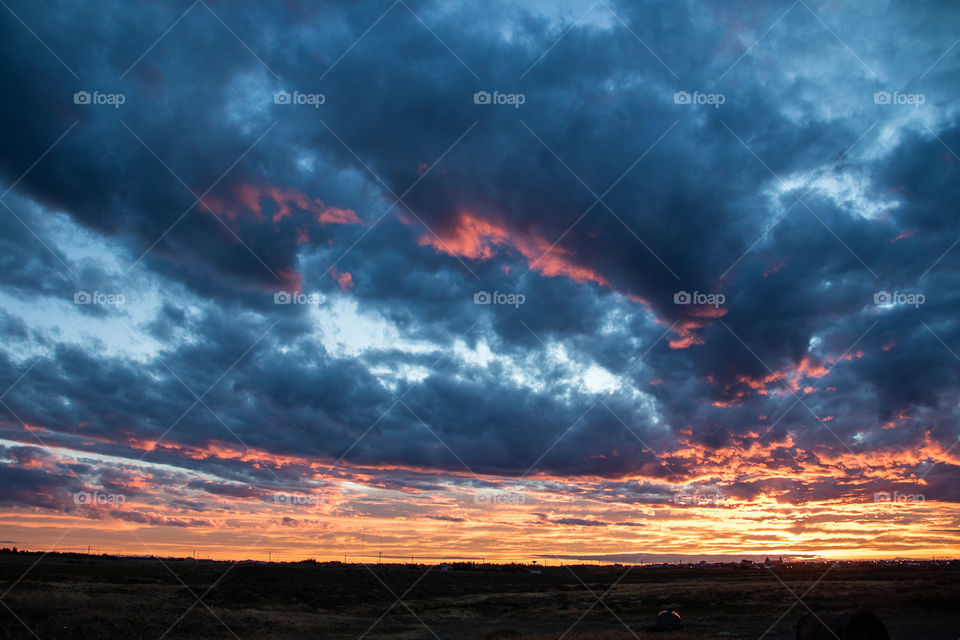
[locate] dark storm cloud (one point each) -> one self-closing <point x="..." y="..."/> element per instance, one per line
<point x="700" y="197"/>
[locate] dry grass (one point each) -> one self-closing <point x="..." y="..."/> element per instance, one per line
<point x="133" y="599"/>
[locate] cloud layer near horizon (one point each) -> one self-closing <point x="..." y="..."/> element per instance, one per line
<point x="384" y="210"/>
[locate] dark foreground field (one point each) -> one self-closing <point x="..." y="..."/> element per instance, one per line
<point x="82" y="597"/>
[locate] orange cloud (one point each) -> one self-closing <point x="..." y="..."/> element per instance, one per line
<point x="343" y="278"/>
<point x="246" y="198"/>
<point x="478" y="239"/>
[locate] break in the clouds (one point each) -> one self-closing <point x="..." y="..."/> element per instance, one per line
<point x="556" y="270"/>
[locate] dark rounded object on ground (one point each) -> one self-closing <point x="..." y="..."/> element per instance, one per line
<point x="668" y="620"/>
<point x="859" y="625"/>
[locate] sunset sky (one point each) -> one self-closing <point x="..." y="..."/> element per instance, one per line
<point x="553" y="281"/>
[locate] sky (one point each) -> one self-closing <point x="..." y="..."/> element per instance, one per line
<point x="513" y="281"/>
